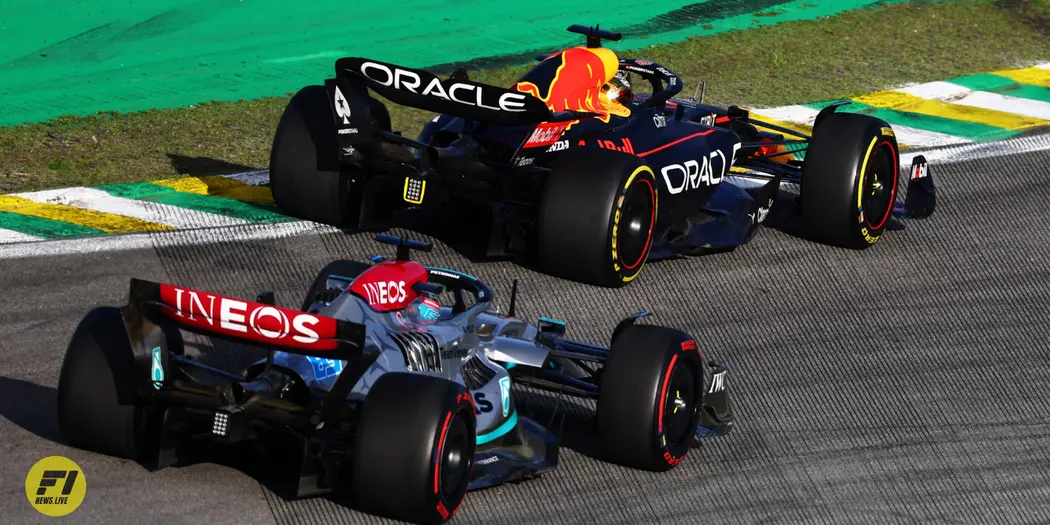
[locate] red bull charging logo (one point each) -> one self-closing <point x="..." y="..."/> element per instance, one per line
<point x="577" y="83"/>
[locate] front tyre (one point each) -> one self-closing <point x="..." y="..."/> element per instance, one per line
<point x="650" y="398"/>
<point x="597" y="217"/>
<point x="849" y="180"/>
<point x="414" y="449"/>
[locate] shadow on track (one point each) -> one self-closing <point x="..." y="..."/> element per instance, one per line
<point x="30" y="406"/>
<point x="205" y="166"/>
<point x="462" y="228"/>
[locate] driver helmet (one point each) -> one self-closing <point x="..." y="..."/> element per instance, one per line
<point x="618" y="89"/>
<point x="425" y="309"/>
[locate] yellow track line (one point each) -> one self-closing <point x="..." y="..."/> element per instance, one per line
<point x="107" y="222"/>
<point x="1030" y="75"/>
<point x="913" y="104"/>
<point x="219" y="186"/>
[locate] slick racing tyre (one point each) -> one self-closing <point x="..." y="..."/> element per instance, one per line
<point x="97" y="401"/>
<point x="306" y="178"/>
<point x="650" y="398"/>
<point x="849" y="180"/>
<point x="319" y="291"/>
<point x="414" y="449"/>
<point x="597" y="217"/>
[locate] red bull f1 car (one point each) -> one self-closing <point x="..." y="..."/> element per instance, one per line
<point x="391" y="385"/>
<point x="570" y="166"/>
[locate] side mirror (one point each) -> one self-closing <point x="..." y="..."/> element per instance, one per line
<point x="266" y="297"/>
<point x="552" y="327"/>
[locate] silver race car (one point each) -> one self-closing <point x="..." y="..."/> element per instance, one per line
<point x="391" y="385"/>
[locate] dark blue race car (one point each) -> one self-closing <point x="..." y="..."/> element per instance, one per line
<point x="571" y="166"/>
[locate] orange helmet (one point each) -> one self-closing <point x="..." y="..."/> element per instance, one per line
<point x="618" y="89"/>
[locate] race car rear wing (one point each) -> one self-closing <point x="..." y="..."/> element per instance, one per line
<point x="453" y="96"/>
<point x="271" y="327"/>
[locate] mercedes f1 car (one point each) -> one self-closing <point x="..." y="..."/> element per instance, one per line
<point x="393" y="383"/>
<point x="574" y="168"/>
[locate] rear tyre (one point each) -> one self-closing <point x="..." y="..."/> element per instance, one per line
<point x="597" y="217"/>
<point x="650" y="398"/>
<point x="414" y="450"/>
<point x="849" y="180"/>
<point x="306" y="178"/>
<point x="340" y="267"/>
<point x="97" y="408"/>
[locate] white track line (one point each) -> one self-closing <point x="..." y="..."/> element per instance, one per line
<point x="98" y="200"/>
<point x="982" y="150"/>
<point x="7" y="236"/>
<point x="914" y="137"/>
<point x="149" y="241"/>
<point x="956" y="94"/>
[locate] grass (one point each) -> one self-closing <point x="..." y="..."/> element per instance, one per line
<point x="794" y="62"/>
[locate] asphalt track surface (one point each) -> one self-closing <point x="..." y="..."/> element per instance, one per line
<point x="904" y="384"/>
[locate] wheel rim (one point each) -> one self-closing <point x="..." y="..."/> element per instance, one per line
<point x="637" y="213"/>
<point x="679" y="405"/>
<point x="880" y="186"/>
<point x="454" y="461"/>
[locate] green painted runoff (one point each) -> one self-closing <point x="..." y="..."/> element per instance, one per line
<point x="69" y="57"/>
<point x="207" y="203"/>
